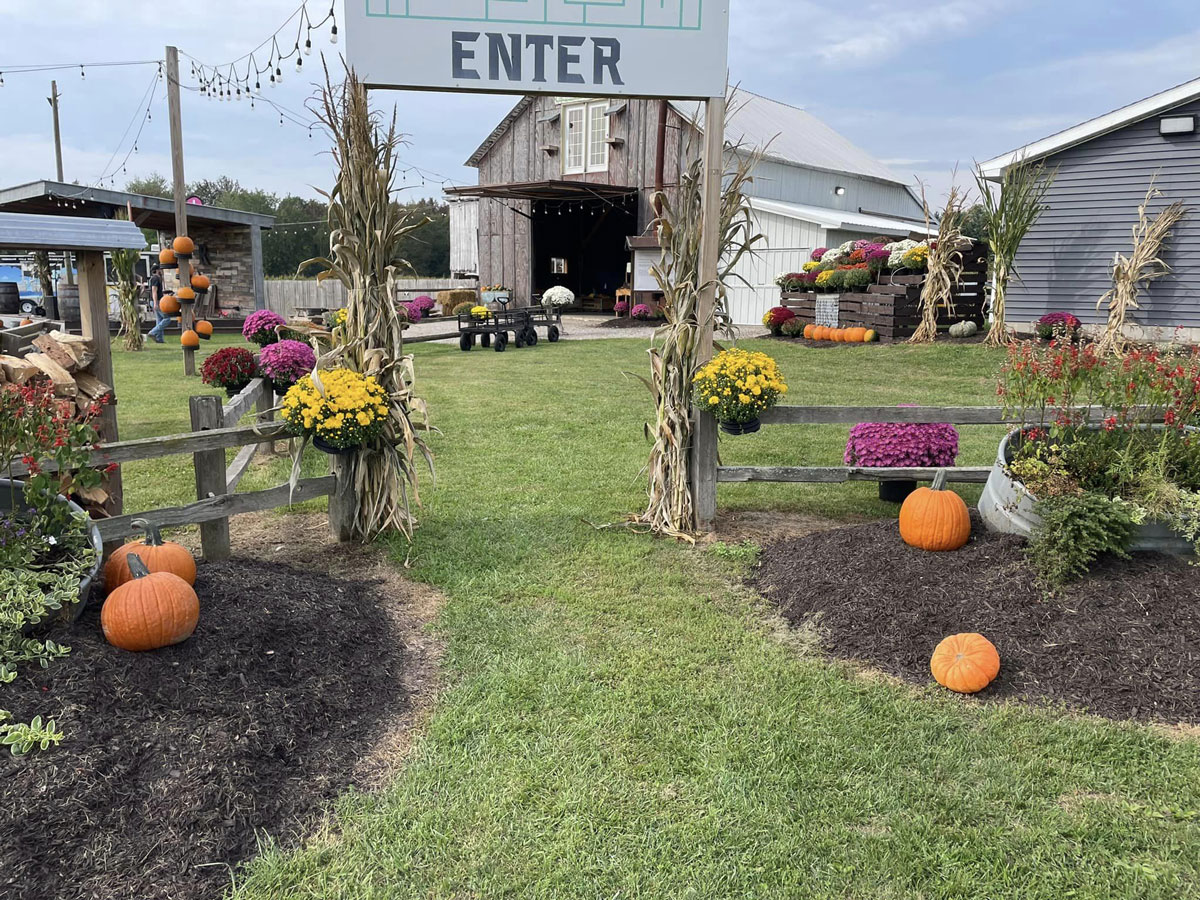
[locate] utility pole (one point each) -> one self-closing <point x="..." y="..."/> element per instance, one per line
<point x="53" y="101"/>
<point x="174" y="112"/>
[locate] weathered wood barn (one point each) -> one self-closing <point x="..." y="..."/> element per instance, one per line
<point x="563" y="183"/>
<point x="1102" y="170"/>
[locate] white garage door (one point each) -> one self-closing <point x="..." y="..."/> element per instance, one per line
<point x="788" y="245"/>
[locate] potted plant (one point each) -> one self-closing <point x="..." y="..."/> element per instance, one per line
<point x="230" y="368"/>
<point x="1062" y="325"/>
<point x="774" y="318"/>
<point x="338" y="409"/>
<point x="262" y="327"/>
<point x="642" y="312"/>
<point x="284" y="362"/>
<point x="737" y="387"/>
<point x="887" y="445"/>
<point x="1081" y="484"/>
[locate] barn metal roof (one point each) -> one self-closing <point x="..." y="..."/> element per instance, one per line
<point x="839" y="219"/>
<point x="993" y="169"/>
<point x="790" y="135"/>
<point x="542" y="190"/>
<point x="20" y="232"/>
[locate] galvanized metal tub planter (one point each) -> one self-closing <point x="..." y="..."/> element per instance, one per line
<point x="1006" y="506"/>
<point x="14" y="490"/>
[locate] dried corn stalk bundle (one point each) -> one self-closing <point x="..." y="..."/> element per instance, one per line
<point x="944" y="267"/>
<point x="675" y="352"/>
<point x="367" y="226"/>
<point x="1132" y="273"/>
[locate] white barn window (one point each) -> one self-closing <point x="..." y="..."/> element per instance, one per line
<point x="585" y="137"/>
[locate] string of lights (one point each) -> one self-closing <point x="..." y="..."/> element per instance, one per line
<point x="82" y="67"/>
<point x="145" y="110"/>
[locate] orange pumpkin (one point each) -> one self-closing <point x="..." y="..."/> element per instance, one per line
<point x="156" y="554"/>
<point x="27" y="321"/>
<point x="933" y="518"/>
<point x="821" y="333"/>
<point x="166" y="257"/>
<point x="152" y="610"/>
<point x="183" y="245"/>
<point x="189" y="339"/>
<point x="839" y="335"/>
<point x="169" y="304"/>
<point x="808" y="330"/>
<point x="965" y="663"/>
<point x="855" y="335"/>
<point x="204" y="329"/>
<point x="201" y="282"/>
<point x="186" y="295"/>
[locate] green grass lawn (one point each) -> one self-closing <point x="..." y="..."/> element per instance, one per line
<point x="620" y="718"/>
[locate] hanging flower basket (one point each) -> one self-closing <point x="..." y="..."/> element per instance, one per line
<point x="339" y="410"/>
<point x="737" y="387"/>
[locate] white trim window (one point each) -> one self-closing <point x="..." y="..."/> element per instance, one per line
<point x="585" y="137"/>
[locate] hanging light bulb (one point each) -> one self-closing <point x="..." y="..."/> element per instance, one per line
<point x="82" y="74"/>
<point x="333" y="30"/>
<point x="272" y="79"/>
<point x="279" y="74"/>
<point x="1" y="79"/>
<point x="299" y="62"/>
<point x="308" y="43"/>
<point x="257" y="84"/>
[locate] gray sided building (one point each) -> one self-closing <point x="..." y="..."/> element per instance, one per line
<point x="1103" y="169"/>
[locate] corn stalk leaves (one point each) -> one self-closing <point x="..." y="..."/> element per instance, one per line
<point x="675" y="352"/>
<point x="944" y="266"/>
<point x="1130" y="274"/>
<point x="367" y="225"/>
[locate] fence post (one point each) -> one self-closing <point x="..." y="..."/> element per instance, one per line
<point x="343" y="502"/>
<point x="264" y="406"/>
<point x="207" y="414"/>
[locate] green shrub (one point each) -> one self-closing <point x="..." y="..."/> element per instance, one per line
<point x="856" y="279"/>
<point x="463" y="309"/>
<point x="837" y="280"/>
<point x="792" y="328"/>
<point x="1075" y="530"/>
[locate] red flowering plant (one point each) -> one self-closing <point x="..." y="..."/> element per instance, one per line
<point x="45" y="551"/>
<point x="774" y="318"/>
<point x="1119" y="430"/>
<point x="230" y="368"/>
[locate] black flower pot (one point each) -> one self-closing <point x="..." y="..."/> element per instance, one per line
<point x="741" y="427"/>
<point x="325" y="447"/>
<point x="896" y="491"/>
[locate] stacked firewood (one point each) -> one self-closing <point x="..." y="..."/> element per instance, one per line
<point x="63" y="359"/>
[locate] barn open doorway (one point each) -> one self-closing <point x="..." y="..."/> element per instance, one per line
<point x="580" y="244"/>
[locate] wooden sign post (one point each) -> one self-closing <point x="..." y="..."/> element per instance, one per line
<point x="704" y="437"/>
<point x="187" y="311"/>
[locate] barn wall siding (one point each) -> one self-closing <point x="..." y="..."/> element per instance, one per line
<point x="794" y="184"/>
<point x="1065" y="262"/>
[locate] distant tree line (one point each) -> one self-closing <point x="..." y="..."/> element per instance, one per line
<point x="300" y="230"/>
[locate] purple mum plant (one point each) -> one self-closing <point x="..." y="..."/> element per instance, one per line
<point x="890" y="445"/>
<point x="285" y="362"/>
<point x="424" y="303"/>
<point x="259" y="327"/>
<point x="621" y="307"/>
<point x="642" y="311"/>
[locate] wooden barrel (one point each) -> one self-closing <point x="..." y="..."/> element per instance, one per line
<point x="10" y="298"/>
<point x="68" y="306"/>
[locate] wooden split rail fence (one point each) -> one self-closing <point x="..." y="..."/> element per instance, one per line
<point x="216" y="428"/>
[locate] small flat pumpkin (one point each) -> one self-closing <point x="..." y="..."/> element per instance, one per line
<point x="965" y="663"/>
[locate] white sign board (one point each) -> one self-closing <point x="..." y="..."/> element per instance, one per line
<point x="643" y="277"/>
<point x="592" y="48"/>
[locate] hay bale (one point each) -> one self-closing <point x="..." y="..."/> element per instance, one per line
<point x="448" y="300"/>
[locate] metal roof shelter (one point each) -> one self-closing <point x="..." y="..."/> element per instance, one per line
<point x="58" y="198"/>
<point x="20" y="233"/>
<point x="87" y="238"/>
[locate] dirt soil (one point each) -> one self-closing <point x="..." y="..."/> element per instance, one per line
<point x="298" y="684"/>
<point x="943" y="338"/>
<point x="1123" y="643"/>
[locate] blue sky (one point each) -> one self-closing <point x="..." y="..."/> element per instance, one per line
<point x="925" y="86"/>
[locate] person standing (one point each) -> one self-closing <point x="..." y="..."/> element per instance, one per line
<point x="162" y="320"/>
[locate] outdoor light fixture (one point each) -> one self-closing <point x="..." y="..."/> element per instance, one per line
<point x="840" y="191"/>
<point x="1177" y="125"/>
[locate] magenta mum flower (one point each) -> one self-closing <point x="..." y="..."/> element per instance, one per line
<point x="260" y="326"/>
<point x="285" y="362"/>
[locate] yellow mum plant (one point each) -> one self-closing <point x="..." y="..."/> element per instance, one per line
<point x="737" y="386"/>
<point x="337" y="318"/>
<point x="810" y="266"/>
<point x="823" y="277"/>
<point x="339" y="408"/>
<point x="479" y="312"/>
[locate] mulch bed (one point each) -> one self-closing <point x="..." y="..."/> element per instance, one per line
<point x="977" y="338"/>
<point x="174" y="761"/>
<point x="1123" y="643"/>
<point x="627" y="322"/>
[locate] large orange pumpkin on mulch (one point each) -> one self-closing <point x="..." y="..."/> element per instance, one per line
<point x="156" y="554"/>
<point x="965" y="663"/>
<point x="154" y="609"/>
<point x="933" y="518"/>
<point x="821" y="333"/>
<point x="855" y="335"/>
<point x="808" y="330"/>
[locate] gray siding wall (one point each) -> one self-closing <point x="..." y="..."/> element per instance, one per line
<point x="1065" y="262"/>
<point x="792" y="184"/>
